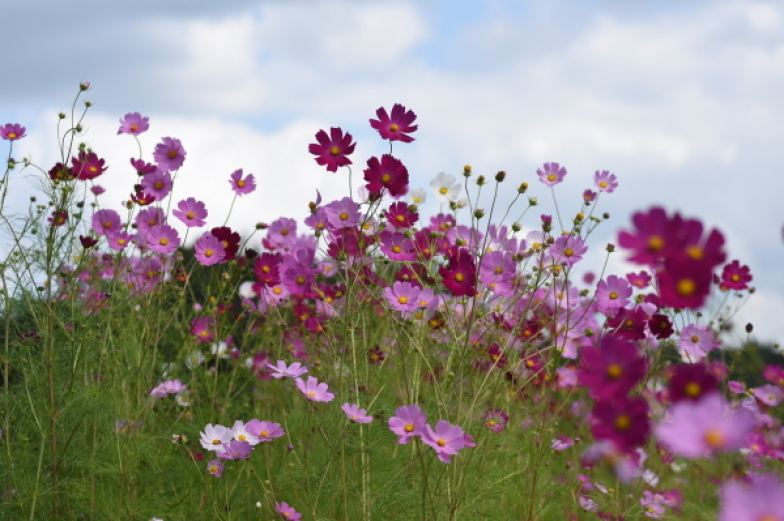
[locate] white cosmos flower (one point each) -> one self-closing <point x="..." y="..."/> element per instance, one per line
<point x="417" y="196"/>
<point x="445" y="188"/>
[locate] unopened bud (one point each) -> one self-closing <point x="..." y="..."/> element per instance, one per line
<point x="85" y="85"/>
<point x="500" y="176"/>
<point x="522" y="188"/>
<point x="61" y="115"/>
<point x="262" y="226"/>
<point x="479" y="213"/>
<point x="480" y="180"/>
<point x="516" y="227"/>
<point x="606" y="215"/>
<point x="589" y="332"/>
<point x="88" y="104"/>
<point x="749" y="327"/>
<point x="532" y="201"/>
<point x="312" y="207"/>
<point x="467" y="170"/>
<point x="610" y="247"/>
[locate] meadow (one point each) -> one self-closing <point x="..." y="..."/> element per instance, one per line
<point x="369" y="362"/>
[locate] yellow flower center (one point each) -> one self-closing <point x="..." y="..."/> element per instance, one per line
<point x="603" y="184"/>
<point x="459" y="277"/>
<point x="622" y="422"/>
<point x="695" y="338"/>
<point x="216" y="442"/>
<point x="242" y="437"/>
<point x="498" y="270"/>
<point x="402" y="299"/>
<point x="107" y="224"/>
<point x="735" y="278"/>
<point x="158" y="185"/>
<point x="686" y="287"/>
<point x="695" y="252"/>
<point x="134" y="128"/>
<point x="655" y="243"/>
<point x="93" y="169"/>
<point x="343" y="216"/>
<point x="172" y="154"/>
<point x="568" y="252"/>
<point x="393" y="127"/>
<point x="386" y="178"/>
<point x="613" y="295"/>
<point x="441" y="442"/>
<point x="12" y="135"/>
<point x="715" y="438"/>
<point x="241" y="183"/>
<point x="443" y="190"/>
<point x="164" y="241"/>
<point x="208" y="253"/>
<point x="409" y="427"/>
<point x="551" y="177"/>
<point x="334" y="151"/>
<point x="284" y="232"/>
<point x="400" y="218"/>
<point x="264" y="434"/>
<point x="614" y="371"/>
<point x="692" y="389"/>
<point x="300" y="280"/>
<point x="311" y="394"/>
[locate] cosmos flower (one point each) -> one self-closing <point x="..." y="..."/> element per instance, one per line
<point x="331" y="151"/>
<point x="355" y="414"/>
<point x="408" y="421"/>
<point x="397" y="126"/>
<point x="551" y="174"/>
<point x="169" y="155"/>
<point x="133" y="123"/>
<point x="242" y="185"/>
<point x="313" y="390"/>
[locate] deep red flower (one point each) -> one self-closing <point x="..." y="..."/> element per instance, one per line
<point x="349" y="242"/>
<point x="58" y="217"/>
<point x="387" y="173"/>
<point x="333" y="149"/>
<point x="612" y="368"/>
<point x="87" y="165"/>
<point x="691" y="382"/>
<point x="141" y="197"/>
<point x="229" y="239"/>
<point x="460" y="275"/>
<point x="654" y="236"/>
<point x="143" y="168"/>
<point x="87" y="242"/>
<point x="623" y="421"/>
<point x="60" y="172"/>
<point x="660" y="326"/>
<point x="396" y="126"/>
<point x="735" y="276"/>
<point x="267" y="269"/>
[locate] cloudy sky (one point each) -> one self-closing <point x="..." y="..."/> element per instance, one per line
<point x="680" y="99"/>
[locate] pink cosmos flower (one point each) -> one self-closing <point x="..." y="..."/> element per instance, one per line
<point x="355" y="414"/>
<point x="97" y="189"/>
<point x="696" y="341"/>
<point x="496" y="420"/>
<point x="294" y="370"/>
<point x="568" y="250"/>
<point x="133" y="123"/>
<point x="120" y="240"/>
<point x="287" y="512"/>
<point x="313" y="390"/>
<point x="164" y="389"/>
<point x="408" y="421"/>
<point x="769" y="395"/>
<point x="736" y="387"/>
<point x="400" y="215"/>
<point x="605" y="181"/>
<point x="388" y="172"/>
<point x="264" y="430"/>
<point x="403" y="296"/>
<point x="158" y="184"/>
<point x="551" y="174"/>
<point x="215" y="436"/>
<point x="611" y="369"/>
<point x="106" y="222"/>
<point x="191" y="212"/>
<point x="397" y="126"/>
<point x="242" y="432"/>
<point x="235" y="450"/>
<point x="397" y="247"/>
<point x="215" y="467"/>
<point x="699" y="429"/>
<point x="242" y="185"/>
<point x="344" y="213"/>
<point x="446" y="439"/>
<point x="169" y="155"/>
<point x="209" y="250"/>
<point x="163" y="239"/>
<point x="612" y="294"/>
<point x="760" y="500"/>
<point x="12" y="131"/>
<point x="639" y="280"/>
<point x="332" y="150"/>
<point x="148" y="218"/>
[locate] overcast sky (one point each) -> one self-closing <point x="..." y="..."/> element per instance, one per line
<point x="680" y="99"/>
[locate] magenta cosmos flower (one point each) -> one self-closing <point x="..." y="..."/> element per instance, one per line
<point x="408" y="421"/>
<point x="551" y="174"/>
<point x="612" y="294"/>
<point x="696" y="341"/>
<point x="158" y="184"/>
<point x="355" y="414"/>
<point x="133" y="123"/>
<point x="622" y="420"/>
<point x="611" y="369"/>
<point x="388" y="172"/>
<point x="700" y="429"/>
<point x="12" y="131"/>
<point x="313" y="390"/>
<point x="169" y="155"/>
<point x="568" y="250"/>
<point x="403" y="296"/>
<point x="333" y="149"/>
<point x="281" y="370"/>
<point x="446" y="439"/>
<point x="87" y="165"/>
<point x="286" y="512"/>
<point x="242" y="185"/>
<point x="209" y="250"/>
<point x="459" y="277"/>
<point x="396" y="126"/>
<point x="734" y="276"/>
<point x="760" y="500"/>
<point x="344" y="213"/>
<point x="234" y="450"/>
<point x="605" y="181"/>
<point x="191" y="212"/>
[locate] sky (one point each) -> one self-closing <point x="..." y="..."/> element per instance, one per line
<point x="680" y="99"/>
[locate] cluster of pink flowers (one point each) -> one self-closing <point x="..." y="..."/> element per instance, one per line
<point x="164" y="389"/>
<point x="446" y="439"/>
<point x="237" y="442"/>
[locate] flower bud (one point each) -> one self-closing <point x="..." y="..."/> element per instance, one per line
<point x="749" y="327"/>
<point x="61" y="115"/>
<point x="516" y="227"/>
<point x="85" y="85"/>
<point x="522" y="188"/>
<point x="88" y="104"/>
<point x="610" y="247"/>
<point x="532" y="201"/>
<point x="606" y="215"/>
<point x="479" y="213"/>
<point x="480" y="180"/>
<point x="467" y="170"/>
<point x="500" y="176"/>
